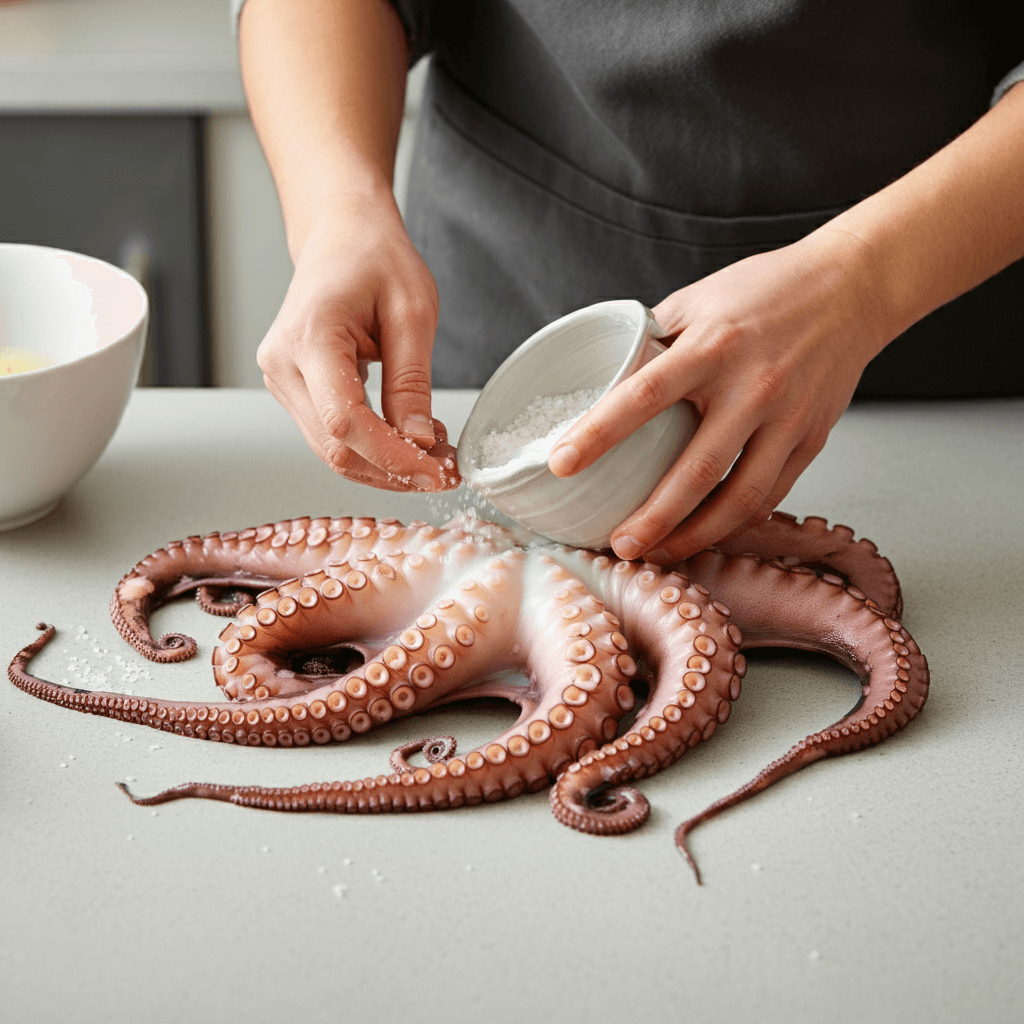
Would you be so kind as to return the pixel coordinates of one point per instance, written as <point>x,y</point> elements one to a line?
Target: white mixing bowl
<point>592,348</point>
<point>88,319</point>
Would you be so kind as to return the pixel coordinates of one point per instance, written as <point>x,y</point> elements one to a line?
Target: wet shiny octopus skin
<point>355,622</point>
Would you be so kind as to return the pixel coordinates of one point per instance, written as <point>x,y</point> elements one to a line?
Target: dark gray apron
<point>517,235</point>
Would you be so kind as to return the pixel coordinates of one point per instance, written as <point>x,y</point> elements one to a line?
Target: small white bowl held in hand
<point>88,319</point>
<point>593,348</point>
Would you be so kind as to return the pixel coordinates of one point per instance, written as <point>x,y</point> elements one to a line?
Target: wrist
<point>849,267</point>
<point>886,279</point>
<point>324,214</point>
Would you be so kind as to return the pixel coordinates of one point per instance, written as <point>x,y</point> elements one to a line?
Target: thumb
<point>406,344</point>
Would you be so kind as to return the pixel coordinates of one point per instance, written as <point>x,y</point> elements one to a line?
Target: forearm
<point>325,82</point>
<point>952,222</point>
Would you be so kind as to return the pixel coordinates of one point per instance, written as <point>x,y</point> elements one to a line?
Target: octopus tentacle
<point>258,558</point>
<point>206,721</point>
<point>345,601</point>
<point>445,785</point>
<point>811,543</point>
<point>690,645</point>
<point>608,808</point>
<point>17,671</point>
<point>825,616</point>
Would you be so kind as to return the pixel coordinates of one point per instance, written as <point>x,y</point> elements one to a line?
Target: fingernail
<point>424,482</point>
<point>627,546</point>
<point>418,425</point>
<point>564,459</point>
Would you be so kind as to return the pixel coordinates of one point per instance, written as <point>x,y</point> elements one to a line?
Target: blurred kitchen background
<point>124,135</point>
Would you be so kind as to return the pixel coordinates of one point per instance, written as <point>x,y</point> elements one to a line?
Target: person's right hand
<point>361,292</point>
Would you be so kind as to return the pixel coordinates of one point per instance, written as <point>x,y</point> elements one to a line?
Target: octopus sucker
<point>342,625</point>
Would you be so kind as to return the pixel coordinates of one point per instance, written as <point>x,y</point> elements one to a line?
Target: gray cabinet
<point>128,189</point>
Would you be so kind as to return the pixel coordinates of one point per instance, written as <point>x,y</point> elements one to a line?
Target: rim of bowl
<point>95,353</point>
<point>646,323</point>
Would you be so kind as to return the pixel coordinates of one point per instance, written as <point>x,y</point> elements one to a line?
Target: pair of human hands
<point>769,350</point>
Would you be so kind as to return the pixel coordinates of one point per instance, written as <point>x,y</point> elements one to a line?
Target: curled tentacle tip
<point>620,800</point>
<point>439,748</point>
<point>607,810</point>
<point>434,748</point>
<point>172,647</point>
<point>174,640</point>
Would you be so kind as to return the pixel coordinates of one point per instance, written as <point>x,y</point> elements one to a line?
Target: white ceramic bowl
<point>593,348</point>
<point>88,319</point>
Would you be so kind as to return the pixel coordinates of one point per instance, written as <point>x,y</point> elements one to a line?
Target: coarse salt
<point>528,439</point>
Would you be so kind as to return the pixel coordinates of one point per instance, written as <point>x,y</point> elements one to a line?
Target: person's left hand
<point>770,351</point>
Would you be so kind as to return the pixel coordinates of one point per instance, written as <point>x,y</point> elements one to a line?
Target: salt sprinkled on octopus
<point>341,625</point>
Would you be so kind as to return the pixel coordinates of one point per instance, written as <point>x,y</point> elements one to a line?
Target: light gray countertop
<point>881,886</point>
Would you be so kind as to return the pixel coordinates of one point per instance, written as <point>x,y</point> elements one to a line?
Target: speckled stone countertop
<point>880,886</point>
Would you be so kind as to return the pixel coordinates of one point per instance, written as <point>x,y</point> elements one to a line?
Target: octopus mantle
<point>344,624</point>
